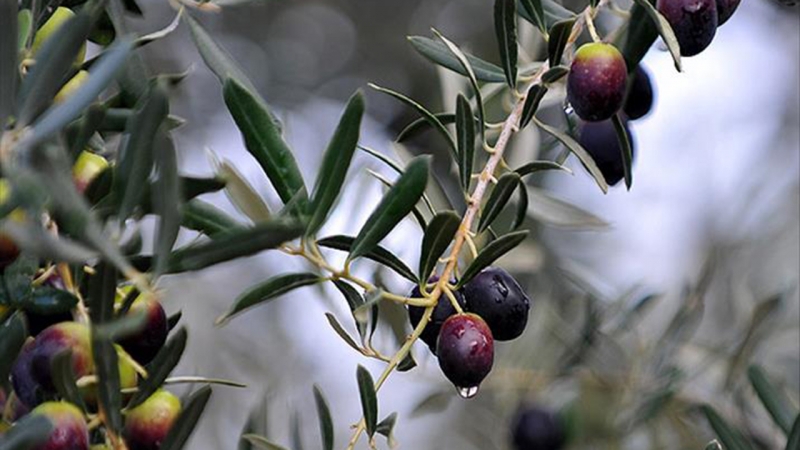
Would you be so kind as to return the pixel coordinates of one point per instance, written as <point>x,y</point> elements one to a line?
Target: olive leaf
<point>576,149</point>
<point>427,115</point>
<point>535,11</point>
<point>465,132</point>
<point>438,236</point>
<point>369,399</point>
<point>532,100</point>
<point>393,207</point>
<point>378,254</point>
<point>730,437</point>
<point>268,290</point>
<point>335,163</point>
<point>491,253</point>
<point>559,35</point>
<point>439,54</point>
<point>665,30</point>
<point>774,401</point>
<point>505,28</point>
<point>160,367</point>
<point>8,54</point>
<point>13,332</point>
<point>498,199</point>
<point>325,421</point>
<point>263,139</point>
<point>625,146</point>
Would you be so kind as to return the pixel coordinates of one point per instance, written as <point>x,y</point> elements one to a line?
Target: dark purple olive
<point>497,297</point>
<point>640,95</point>
<point>601,142</point>
<point>693,21</point>
<point>444,309</point>
<point>538,429</point>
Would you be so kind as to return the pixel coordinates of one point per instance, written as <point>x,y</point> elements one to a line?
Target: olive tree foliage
<point>93,237</point>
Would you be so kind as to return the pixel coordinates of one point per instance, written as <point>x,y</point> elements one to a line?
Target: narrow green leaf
<point>576,149</point>
<point>166,200</point>
<point>206,218</point>
<point>335,162</point>
<point>261,442</point>
<point>793,441</point>
<point>8,54</point>
<point>429,116</point>
<point>102,73</point>
<point>136,154</point>
<point>369,399</point>
<point>407,363</point>
<point>731,439</point>
<point>553,12</point>
<point>559,35</point>
<point>217,58</point>
<point>159,369</point>
<point>47,300</point>
<point>394,206</point>
<point>64,378</point>
<point>535,95</point>
<point>108,385</point>
<point>538,166</point>
<point>325,421</point>
<point>235,244</point>
<point>465,131</point>
<point>505,28</point>
<point>419,125</point>
<point>522,207</point>
<point>536,12</point>
<point>641,35</point>
<point>772,398</point>
<point>87,126</point>
<point>386,428</point>
<point>554,74</point>
<point>438,236</point>
<point>498,199</point>
<point>491,253</point>
<point>377,254</point>
<point>102,292</point>
<point>29,432</point>
<point>476,89</point>
<point>32,238</point>
<point>53,62</point>
<point>13,332</point>
<point>243,196</point>
<point>339,329</point>
<point>665,30</point>
<point>555,212</point>
<point>438,53</point>
<point>625,146</point>
<point>351,295</point>
<point>396,167</point>
<point>263,139</point>
<point>414,211</point>
<point>371,299</point>
<point>186,423</point>
<point>268,290</point>
<point>24,28</point>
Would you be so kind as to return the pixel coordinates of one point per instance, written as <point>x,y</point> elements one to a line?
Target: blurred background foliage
<point>633,326</point>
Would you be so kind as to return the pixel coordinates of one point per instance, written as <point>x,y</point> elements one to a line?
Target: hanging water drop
<point>468,392</point>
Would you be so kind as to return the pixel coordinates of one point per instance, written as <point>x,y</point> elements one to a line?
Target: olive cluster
<point>495,308</point>
<point>601,85</point>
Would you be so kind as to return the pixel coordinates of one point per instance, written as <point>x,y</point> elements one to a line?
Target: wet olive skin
<point>693,21</point>
<point>466,350</point>
<point>495,296</point>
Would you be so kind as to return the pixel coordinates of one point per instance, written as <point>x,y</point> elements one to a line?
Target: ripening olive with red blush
<point>145,344</point>
<point>69,432</point>
<point>31,374</point>
<point>597,81</point>
<point>148,424</point>
<point>466,351</point>
<point>693,21</point>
